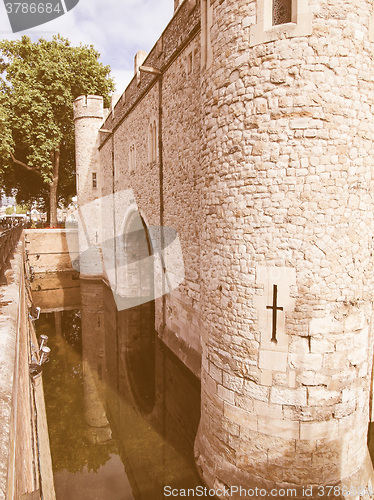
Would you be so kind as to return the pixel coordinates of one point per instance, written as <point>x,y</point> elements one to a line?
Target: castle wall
<point>182,143</point>
<point>88,117</point>
<point>179,92</point>
<point>48,249</point>
<point>264,169</point>
<point>289,131</point>
<point>134,131</point>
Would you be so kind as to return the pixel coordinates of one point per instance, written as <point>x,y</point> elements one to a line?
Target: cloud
<point>117,29</point>
<point>122,78</point>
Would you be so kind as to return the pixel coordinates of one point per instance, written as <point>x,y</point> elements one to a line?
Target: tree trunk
<point>53,189</point>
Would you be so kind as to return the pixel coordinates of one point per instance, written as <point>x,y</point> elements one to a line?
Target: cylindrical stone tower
<point>88,118</point>
<point>287,246</point>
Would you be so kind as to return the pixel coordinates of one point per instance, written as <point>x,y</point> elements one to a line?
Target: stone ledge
<point>9,319</point>
<point>24,467</point>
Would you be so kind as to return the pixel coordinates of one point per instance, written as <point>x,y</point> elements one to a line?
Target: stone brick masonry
<point>264,168</point>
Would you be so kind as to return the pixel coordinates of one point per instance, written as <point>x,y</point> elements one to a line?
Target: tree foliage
<point>22,209</point>
<point>38,84</point>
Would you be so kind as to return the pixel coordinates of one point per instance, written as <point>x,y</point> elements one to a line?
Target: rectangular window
<point>94,180</point>
<point>282,12</point>
<point>277,19</point>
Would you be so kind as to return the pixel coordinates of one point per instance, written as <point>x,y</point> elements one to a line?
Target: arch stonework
<point>138,322</point>
<point>135,273</point>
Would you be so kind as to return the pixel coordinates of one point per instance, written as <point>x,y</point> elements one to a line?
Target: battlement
<point>91,106</point>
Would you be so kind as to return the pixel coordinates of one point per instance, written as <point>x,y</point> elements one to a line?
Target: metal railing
<point>8,241</point>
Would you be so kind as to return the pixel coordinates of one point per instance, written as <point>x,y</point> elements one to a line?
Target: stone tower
<point>287,245</point>
<point>88,118</point>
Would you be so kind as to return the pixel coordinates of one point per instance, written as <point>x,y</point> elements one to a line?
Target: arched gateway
<point>137,332</point>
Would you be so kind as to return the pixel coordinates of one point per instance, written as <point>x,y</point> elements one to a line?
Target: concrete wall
<point>24,443</point>
<point>48,249</point>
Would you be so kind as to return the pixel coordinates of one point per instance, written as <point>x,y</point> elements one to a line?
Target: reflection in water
<point>156,419</point>
<point>75,459</point>
<point>111,381</point>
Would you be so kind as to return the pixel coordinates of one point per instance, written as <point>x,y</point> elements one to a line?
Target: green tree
<point>22,209</point>
<point>38,84</point>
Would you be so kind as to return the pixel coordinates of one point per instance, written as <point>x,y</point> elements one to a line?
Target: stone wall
<point>170,196</point>
<point>17,455</point>
<point>288,151</point>
<point>25,462</point>
<point>264,169</point>
<point>180,179</point>
<point>48,249</point>
<point>182,143</point>
<point>54,292</point>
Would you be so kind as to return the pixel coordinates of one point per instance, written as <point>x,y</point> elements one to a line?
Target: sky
<point>116,28</point>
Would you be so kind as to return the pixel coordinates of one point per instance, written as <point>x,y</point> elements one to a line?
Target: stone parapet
<point>90,106</point>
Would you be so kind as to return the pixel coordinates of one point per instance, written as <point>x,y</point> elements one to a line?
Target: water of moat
<point>122,410</point>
